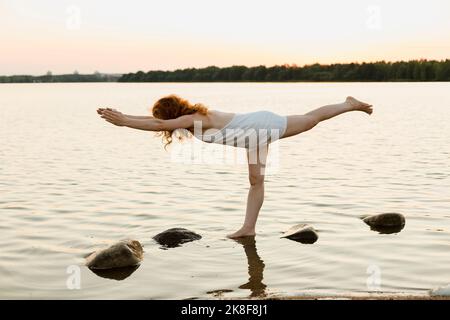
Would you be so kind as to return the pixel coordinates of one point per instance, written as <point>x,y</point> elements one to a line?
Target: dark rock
<point>386,223</point>
<point>116,273</point>
<point>302,233</point>
<point>125,253</point>
<point>219,293</point>
<point>175,237</point>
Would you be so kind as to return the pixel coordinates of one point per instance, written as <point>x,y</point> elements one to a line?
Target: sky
<point>62,36</point>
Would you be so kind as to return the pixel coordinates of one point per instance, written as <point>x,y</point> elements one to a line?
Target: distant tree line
<point>416,70</point>
<point>75,77</point>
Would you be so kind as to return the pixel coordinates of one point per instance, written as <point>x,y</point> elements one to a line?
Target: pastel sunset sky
<point>127,36</point>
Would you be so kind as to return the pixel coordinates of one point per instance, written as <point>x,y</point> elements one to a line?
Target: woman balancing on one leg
<point>253,131</point>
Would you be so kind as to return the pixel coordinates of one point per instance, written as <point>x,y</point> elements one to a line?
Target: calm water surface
<point>71,183</point>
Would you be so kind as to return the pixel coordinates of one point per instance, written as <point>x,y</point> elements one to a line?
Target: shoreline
<point>356,296</point>
<point>228,82</point>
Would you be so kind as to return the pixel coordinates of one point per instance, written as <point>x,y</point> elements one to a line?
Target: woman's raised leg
<point>301,123</point>
<point>256,172</point>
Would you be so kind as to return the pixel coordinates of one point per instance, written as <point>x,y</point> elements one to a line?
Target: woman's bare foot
<point>359,105</point>
<point>243,232</point>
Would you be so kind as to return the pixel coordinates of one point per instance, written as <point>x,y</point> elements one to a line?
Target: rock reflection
<point>116,273</point>
<point>387,230</point>
<point>255,268</point>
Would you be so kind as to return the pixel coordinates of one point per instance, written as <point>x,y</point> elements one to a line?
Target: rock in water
<point>176,236</point>
<point>302,233</point>
<point>386,222</point>
<point>440,292</point>
<point>125,253</point>
<point>116,273</point>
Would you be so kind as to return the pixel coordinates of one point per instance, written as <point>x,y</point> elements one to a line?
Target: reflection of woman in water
<point>255,268</point>
<point>253,131</point>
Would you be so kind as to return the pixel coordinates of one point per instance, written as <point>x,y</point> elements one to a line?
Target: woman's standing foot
<point>243,232</point>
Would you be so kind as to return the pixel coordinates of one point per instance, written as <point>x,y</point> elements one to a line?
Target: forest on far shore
<point>415,70</point>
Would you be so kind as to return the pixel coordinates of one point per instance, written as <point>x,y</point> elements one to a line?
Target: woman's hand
<point>101,110</point>
<point>113,116</point>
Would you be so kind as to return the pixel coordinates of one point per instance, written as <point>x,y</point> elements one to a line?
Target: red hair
<point>172,107</point>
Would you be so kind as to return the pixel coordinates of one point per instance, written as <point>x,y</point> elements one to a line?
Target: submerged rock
<point>175,237</point>
<point>386,222</point>
<point>302,233</point>
<point>441,291</point>
<point>126,253</point>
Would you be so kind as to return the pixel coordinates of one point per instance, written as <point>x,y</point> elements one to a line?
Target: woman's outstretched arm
<point>101,110</point>
<point>148,124</point>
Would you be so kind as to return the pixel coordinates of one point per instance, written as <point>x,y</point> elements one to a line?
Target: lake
<point>71,183</point>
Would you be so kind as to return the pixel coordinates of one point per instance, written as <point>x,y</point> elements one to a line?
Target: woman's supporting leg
<point>301,123</point>
<point>255,199</point>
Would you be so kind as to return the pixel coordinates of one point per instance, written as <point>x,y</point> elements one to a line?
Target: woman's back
<point>247,130</point>
<point>213,121</point>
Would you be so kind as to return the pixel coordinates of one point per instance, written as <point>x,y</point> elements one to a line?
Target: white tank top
<point>246,130</point>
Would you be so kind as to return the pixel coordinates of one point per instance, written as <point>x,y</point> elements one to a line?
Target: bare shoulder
<point>198,116</point>
<point>206,119</point>
<point>219,119</point>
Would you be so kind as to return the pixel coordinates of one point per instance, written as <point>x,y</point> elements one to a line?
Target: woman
<point>253,131</point>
